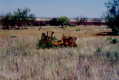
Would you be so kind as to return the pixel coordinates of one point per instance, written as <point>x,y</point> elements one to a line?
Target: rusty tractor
<point>48,40</point>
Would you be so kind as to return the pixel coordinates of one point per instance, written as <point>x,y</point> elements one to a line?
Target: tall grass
<point>21,60</point>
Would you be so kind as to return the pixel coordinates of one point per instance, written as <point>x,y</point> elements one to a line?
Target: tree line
<point>22,17</point>
<point>17,19</point>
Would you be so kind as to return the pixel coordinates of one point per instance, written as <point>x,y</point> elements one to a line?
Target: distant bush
<point>63,20</point>
<point>114,41</point>
<point>71,25</point>
<point>109,38</point>
<point>78,29</point>
<point>13,36</point>
<point>54,22</point>
<point>17,19</point>
<point>81,21</point>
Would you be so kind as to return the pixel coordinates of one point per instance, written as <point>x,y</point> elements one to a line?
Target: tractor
<point>48,40</point>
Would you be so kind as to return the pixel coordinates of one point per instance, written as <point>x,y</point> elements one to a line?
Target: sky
<point>56,8</point>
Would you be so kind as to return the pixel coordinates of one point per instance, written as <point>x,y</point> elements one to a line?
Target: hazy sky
<point>54,8</point>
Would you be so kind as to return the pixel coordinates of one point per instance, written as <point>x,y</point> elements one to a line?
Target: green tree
<point>19,18</point>
<point>54,22</point>
<point>6,21</point>
<point>23,16</point>
<point>112,15</point>
<point>83,20</point>
<point>63,20</point>
<point>77,20</point>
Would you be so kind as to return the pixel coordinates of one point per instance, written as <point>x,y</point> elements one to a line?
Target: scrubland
<point>95,58</point>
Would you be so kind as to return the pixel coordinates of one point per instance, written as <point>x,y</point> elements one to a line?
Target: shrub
<point>63,20</point>
<point>112,56</point>
<point>78,29</point>
<point>13,36</point>
<point>114,41</point>
<point>109,38</point>
<point>72,25</point>
<point>98,49</point>
<point>112,15</point>
<point>54,22</point>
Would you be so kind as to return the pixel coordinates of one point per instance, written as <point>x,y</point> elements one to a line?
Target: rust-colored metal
<point>64,42</point>
<point>69,41</point>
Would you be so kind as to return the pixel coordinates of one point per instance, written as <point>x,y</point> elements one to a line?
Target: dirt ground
<point>85,31</point>
<point>21,60</point>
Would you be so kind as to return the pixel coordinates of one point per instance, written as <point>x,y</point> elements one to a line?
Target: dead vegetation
<point>21,60</point>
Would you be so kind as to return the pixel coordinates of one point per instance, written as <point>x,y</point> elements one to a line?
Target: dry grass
<point>21,60</point>
<point>85,31</point>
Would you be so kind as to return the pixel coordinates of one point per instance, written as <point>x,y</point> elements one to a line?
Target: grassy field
<point>95,58</point>
<point>78,31</point>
